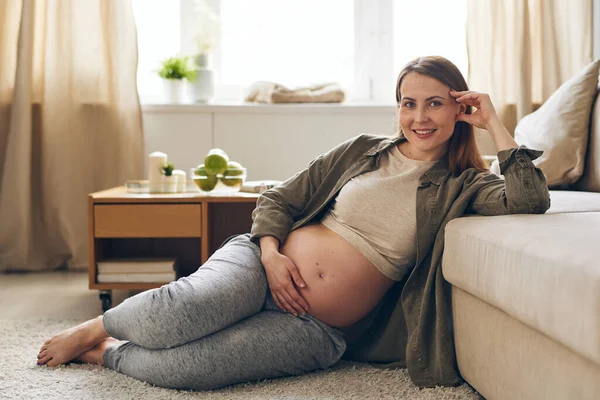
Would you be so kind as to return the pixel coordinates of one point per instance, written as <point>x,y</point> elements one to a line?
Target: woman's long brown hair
<point>463,152</point>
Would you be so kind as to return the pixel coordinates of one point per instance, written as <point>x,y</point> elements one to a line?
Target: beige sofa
<point>526,294</point>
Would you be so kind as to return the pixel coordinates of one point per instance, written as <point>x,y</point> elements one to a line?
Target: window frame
<point>373,58</point>
<point>374,75</point>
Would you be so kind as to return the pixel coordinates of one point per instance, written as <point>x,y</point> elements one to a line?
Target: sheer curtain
<point>521,51</point>
<point>70,123</point>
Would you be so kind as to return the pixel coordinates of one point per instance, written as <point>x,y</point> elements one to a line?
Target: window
<point>433,27</point>
<point>158,31</point>
<point>361,44</point>
<point>289,42</point>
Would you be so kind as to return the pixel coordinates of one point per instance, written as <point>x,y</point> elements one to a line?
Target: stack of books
<point>119,270</point>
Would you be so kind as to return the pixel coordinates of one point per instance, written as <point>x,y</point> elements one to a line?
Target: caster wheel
<point>106,298</point>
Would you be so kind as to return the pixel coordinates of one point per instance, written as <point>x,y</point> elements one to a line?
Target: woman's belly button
<point>324,282</point>
<point>319,270</point>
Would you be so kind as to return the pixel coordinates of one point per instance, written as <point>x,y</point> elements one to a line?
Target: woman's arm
<point>523,189</point>
<point>268,245</point>
<point>500,135</point>
<point>484,118</point>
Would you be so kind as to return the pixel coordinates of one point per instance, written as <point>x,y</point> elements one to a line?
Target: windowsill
<point>262,108</point>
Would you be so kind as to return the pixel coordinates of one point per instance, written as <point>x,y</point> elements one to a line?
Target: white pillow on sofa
<point>560,128</point>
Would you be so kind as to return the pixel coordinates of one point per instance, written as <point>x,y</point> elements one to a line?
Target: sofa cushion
<point>543,270</point>
<point>570,201</point>
<point>560,128</point>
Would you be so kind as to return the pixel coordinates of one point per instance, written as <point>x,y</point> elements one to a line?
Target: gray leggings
<point>217,327</point>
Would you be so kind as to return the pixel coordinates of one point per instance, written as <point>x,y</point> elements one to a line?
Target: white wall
<point>271,141</point>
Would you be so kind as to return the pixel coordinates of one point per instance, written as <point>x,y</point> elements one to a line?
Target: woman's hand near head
<point>485,114</point>
<point>283,277</point>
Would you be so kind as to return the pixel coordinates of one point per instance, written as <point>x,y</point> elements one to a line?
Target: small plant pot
<point>170,183</point>
<point>174,90</point>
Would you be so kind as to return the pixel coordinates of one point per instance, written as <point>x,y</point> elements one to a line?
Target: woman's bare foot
<point>95,355</point>
<point>67,345</point>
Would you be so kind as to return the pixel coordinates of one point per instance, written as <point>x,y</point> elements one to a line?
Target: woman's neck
<point>405,148</point>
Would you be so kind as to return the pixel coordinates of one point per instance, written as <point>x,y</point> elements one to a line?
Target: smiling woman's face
<point>427,115</point>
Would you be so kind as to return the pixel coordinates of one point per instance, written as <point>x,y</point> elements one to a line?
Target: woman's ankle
<point>97,328</point>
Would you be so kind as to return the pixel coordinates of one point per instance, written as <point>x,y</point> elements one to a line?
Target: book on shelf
<point>140,277</point>
<point>136,265</point>
<point>258,186</point>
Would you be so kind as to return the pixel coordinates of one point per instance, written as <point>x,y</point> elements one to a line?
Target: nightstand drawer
<point>147,220</point>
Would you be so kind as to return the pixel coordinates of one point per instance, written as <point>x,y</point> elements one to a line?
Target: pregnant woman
<point>345,249</point>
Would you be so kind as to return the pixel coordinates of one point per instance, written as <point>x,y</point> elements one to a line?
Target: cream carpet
<point>33,307</point>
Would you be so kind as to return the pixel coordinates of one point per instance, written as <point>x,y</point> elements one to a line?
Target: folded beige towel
<point>271,92</point>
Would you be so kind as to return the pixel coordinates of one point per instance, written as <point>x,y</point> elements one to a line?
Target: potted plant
<point>207,30</point>
<point>174,71</point>
<point>169,180</point>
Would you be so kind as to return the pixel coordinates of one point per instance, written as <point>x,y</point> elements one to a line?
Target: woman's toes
<point>44,360</point>
<point>53,363</point>
<point>42,354</point>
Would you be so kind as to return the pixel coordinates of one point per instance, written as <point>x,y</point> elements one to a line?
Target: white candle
<point>156,161</point>
<point>181,179</point>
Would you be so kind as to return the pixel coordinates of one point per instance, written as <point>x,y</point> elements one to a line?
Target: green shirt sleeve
<point>522,191</point>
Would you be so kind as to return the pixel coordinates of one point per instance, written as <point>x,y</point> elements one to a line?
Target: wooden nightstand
<point>185,226</point>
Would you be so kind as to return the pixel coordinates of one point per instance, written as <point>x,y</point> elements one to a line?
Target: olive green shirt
<point>412,325</point>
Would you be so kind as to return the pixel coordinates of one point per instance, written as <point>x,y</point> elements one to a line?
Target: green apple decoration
<point>217,166</point>
<point>206,184</point>
<point>215,162</point>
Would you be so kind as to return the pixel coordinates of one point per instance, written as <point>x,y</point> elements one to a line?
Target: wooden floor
<point>51,295</point>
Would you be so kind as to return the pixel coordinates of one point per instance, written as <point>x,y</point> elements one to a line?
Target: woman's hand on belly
<point>283,276</point>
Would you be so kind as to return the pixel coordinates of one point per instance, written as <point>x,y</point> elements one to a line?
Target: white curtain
<point>70,123</point>
<point>521,51</point>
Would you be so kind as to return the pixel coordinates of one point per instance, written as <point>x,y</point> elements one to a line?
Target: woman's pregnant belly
<point>342,286</point>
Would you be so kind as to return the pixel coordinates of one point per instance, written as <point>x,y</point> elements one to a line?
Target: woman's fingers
<point>297,301</point>
<point>455,93</point>
<point>465,117</point>
<point>277,302</point>
<point>285,302</point>
<point>296,308</point>
<point>470,96</point>
<point>296,277</point>
<point>286,306</point>
<point>300,300</point>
